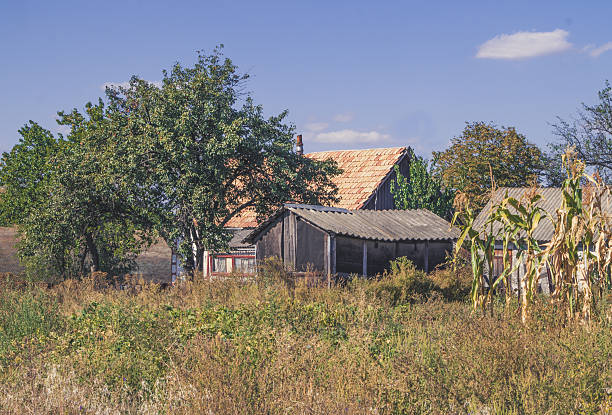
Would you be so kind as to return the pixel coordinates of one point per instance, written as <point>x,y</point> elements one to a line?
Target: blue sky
<point>352,74</point>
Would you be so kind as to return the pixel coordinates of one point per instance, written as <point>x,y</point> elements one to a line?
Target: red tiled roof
<point>363,172</point>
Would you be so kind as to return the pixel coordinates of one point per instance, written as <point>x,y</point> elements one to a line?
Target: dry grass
<point>230,348</point>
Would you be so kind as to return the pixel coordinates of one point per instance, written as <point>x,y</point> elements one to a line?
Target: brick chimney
<point>299,147</point>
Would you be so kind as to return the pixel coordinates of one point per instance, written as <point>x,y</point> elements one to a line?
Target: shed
<point>551,201</point>
<point>341,241</point>
<point>365,183</point>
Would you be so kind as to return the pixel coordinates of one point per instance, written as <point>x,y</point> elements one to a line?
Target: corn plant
<point>481,245</point>
<point>579,255</point>
<point>520,223</point>
<point>580,252</point>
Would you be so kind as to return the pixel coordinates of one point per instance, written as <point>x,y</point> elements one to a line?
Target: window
<point>219,264</point>
<point>498,262</point>
<point>244,265</point>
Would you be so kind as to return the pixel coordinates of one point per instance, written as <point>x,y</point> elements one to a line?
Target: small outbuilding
<point>336,241</point>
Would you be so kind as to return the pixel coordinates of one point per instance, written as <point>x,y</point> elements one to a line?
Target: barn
<point>336,241</point>
<point>364,184</point>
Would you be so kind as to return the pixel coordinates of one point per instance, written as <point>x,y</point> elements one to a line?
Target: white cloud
<point>351,137</point>
<point>346,117</point>
<point>595,52</point>
<point>316,126</point>
<point>521,45</point>
<point>125,84</point>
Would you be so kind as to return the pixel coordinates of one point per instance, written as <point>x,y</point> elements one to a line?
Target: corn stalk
<point>580,252</point>
<point>520,224</point>
<point>579,255</point>
<point>482,249</point>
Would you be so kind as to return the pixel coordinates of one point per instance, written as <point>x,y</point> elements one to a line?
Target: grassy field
<point>403,344</point>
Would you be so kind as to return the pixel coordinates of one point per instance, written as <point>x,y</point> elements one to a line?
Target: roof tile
<point>363,171</point>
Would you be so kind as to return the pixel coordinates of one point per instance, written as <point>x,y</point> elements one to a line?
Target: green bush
<point>28,317</point>
<point>402,284</point>
<point>125,345</point>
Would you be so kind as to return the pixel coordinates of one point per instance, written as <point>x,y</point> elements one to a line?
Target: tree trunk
<point>93,250</point>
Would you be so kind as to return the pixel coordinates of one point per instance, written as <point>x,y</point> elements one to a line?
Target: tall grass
<point>392,345</point>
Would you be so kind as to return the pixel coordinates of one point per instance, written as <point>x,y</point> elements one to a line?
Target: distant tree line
<point>485,155</point>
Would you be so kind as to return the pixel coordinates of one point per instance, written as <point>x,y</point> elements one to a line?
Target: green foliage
<point>484,151</point>
<point>126,347</point>
<point>590,133</point>
<point>25,173</point>
<point>577,258</point>
<point>402,284</point>
<point>420,190</point>
<point>207,153</point>
<point>70,200</point>
<point>177,161</point>
<point>27,323</point>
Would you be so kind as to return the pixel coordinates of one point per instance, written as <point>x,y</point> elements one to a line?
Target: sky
<point>351,74</point>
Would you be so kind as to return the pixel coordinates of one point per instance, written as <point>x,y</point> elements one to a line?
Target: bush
<point>402,284</point>
<point>27,320</point>
<point>454,285</point>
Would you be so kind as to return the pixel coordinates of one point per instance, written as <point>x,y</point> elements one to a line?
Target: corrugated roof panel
<point>552,200</point>
<point>385,225</point>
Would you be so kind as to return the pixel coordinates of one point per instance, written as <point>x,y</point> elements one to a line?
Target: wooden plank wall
<point>310,247</point>
<point>383,198</point>
<point>270,243</point>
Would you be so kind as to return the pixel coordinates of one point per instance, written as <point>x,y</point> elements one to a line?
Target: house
<point>552,199</point>
<point>336,241</point>
<point>364,184</point>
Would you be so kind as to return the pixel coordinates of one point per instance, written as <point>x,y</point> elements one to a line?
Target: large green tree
<point>591,135</point>
<point>68,201</point>
<point>484,150</point>
<point>207,153</point>
<point>178,160</point>
<point>421,190</point>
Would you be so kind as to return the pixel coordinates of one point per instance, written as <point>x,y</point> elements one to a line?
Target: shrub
<point>454,285</point>
<point>27,320</point>
<point>402,284</point>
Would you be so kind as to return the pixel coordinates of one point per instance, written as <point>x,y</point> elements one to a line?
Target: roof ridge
<point>359,149</point>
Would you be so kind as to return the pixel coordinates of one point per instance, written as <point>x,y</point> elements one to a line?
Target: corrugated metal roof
<point>380,225</point>
<point>552,199</point>
<point>237,240</point>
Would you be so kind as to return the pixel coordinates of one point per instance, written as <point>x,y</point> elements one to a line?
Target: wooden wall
<point>154,263</point>
<point>383,199</point>
<point>311,248</point>
<point>271,242</point>
<point>349,254</point>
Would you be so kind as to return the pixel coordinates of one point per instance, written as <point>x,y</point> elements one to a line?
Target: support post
<point>426,256</point>
<point>365,259</point>
<point>328,259</point>
<point>332,257</point>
